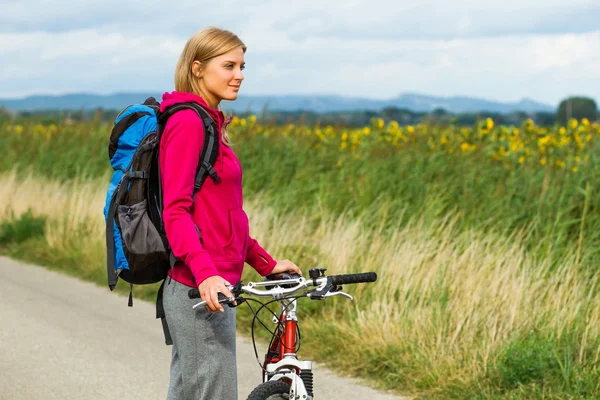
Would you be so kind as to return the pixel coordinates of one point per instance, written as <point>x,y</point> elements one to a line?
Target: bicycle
<point>284,375</point>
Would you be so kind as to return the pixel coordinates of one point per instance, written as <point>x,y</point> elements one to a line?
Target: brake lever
<point>331,294</point>
<point>222,300</point>
<point>328,290</point>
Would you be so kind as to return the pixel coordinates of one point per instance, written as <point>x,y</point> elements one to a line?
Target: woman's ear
<point>197,68</point>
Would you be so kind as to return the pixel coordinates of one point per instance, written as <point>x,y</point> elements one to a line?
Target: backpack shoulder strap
<point>209,151</point>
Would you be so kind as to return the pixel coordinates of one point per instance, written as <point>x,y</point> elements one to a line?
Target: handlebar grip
<point>235,290</point>
<point>353,278</point>
<point>194,294</point>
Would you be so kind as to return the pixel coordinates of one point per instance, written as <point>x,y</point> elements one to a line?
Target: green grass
<point>488,284</point>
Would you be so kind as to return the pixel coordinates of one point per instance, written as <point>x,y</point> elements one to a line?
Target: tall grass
<point>456,313</point>
<point>383,183</point>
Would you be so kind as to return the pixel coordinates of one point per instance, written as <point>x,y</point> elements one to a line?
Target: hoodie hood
<point>170,99</point>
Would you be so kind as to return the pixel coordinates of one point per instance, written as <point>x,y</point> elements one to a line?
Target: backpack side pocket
<point>139,234</point>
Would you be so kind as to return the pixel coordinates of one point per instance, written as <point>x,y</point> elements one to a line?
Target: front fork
<point>301,384</point>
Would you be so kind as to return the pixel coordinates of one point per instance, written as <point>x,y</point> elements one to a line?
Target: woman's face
<point>221,77</point>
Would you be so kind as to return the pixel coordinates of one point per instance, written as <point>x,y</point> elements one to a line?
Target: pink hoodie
<point>217,210</point>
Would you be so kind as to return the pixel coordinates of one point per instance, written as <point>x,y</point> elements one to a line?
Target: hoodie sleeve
<point>181,144</point>
<point>258,258</point>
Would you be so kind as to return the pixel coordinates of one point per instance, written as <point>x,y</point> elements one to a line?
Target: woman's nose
<point>239,75</point>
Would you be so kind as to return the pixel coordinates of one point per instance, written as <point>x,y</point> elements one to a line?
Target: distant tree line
<point>572,107</point>
<point>405,117</point>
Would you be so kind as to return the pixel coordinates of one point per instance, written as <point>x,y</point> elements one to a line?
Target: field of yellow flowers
<point>485,238</point>
<point>528,145</point>
<point>564,147</point>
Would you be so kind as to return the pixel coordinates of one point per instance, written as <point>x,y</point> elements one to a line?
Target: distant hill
<point>317,103</point>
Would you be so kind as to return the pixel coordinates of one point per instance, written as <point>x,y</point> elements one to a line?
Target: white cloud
<point>441,19</point>
<point>499,49</point>
<point>544,67</point>
<point>85,60</point>
<point>432,19</point>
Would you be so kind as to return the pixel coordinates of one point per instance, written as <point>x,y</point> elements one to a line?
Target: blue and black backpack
<point>137,249</point>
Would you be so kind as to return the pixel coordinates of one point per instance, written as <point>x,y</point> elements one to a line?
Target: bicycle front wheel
<point>272,390</point>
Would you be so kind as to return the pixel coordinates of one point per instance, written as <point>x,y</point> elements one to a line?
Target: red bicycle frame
<point>287,344</point>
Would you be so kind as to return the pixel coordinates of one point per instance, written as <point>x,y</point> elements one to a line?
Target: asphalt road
<point>62,338</point>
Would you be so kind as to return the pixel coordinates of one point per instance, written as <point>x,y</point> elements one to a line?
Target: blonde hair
<point>205,45</point>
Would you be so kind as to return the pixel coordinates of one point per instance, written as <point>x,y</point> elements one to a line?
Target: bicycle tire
<point>269,391</point>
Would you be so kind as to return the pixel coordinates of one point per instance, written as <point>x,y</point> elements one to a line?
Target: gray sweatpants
<point>203,365</point>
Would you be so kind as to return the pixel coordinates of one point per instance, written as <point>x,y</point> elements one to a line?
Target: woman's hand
<point>209,291</point>
<point>284,266</point>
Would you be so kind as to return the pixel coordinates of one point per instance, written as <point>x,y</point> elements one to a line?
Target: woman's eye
<point>243,67</point>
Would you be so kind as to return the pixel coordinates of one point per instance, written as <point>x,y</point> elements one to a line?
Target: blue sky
<point>496,49</point>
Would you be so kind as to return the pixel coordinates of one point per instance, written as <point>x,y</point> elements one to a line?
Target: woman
<point>203,364</point>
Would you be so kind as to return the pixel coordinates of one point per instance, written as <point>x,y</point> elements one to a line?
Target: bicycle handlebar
<point>293,285</point>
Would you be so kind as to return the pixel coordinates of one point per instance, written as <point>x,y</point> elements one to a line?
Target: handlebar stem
<point>289,306</point>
